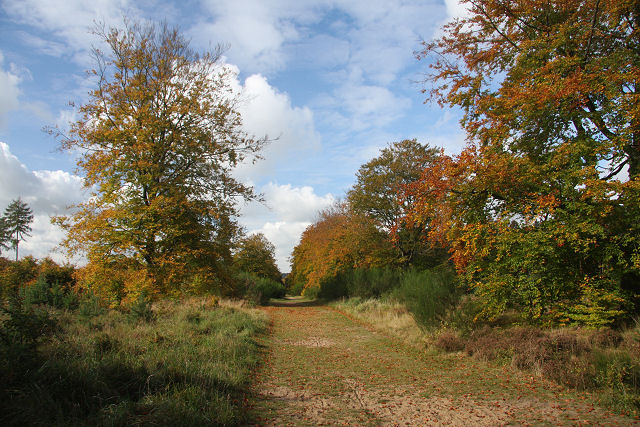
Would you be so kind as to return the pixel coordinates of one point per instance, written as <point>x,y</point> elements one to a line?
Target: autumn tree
<point>339,240</point>
<point>255,254</point>
<point>541,207</point>
<point>375,194</point>
<point>158,139</point>
<point>16,223</point>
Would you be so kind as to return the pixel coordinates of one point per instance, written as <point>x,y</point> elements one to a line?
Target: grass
<point>603,361</point>
<point>188,363</point>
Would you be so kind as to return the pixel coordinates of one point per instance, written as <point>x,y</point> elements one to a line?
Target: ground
<point>323,367</point>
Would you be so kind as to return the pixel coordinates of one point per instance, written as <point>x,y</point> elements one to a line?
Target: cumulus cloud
<point>266,111</point>
<point>287,211</point>
<point>455,9</point>
<point>9,91</point>
<point>46,192</point>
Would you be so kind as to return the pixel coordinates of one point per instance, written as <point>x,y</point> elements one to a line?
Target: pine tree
<point>16,222</point>
<point>5,236</point>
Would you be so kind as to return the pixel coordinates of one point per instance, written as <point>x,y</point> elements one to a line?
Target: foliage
<point>158,140</point>
<point>537,210</point>
<point>259,290</point>
<point>256,255</point>
<point>339,241</point>
<point>375,194</point>
<point>5,235</point>
<point>15,225</point>
<point>107,370</point>
<point>429,295</point>
<point>360,283</point>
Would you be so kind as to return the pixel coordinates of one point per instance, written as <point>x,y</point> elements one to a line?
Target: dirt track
<point>324,368</point>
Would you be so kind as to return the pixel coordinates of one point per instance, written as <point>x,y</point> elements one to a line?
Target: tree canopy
<point>376,195</point>
<point>158,140</point>
<point>540,209</point>
<point>338,241</point>
<point>255,254</point>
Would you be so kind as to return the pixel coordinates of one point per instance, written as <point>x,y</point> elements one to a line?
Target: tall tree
<point>5,235</point>
<point>541,207</point>
<point>340,240</point>
<point>375,194</point>
<point>256,254</point>
<point>158,139</point>
<point>17,222</point>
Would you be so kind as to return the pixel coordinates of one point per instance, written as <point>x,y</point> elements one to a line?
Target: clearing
<point>323,367</point>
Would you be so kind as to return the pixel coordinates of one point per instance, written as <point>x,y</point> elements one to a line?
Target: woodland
<point>522,250</point>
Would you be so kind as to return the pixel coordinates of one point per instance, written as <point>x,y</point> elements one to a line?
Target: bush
<point>49,293</point>
<point>296,289</point>
<point>361,283</point>
<point>429,294</point>
<point>259,289</point>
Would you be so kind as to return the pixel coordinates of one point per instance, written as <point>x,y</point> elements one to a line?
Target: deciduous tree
<point>256,254</point>
<point>541,207</point>
<point>375,194</point>
<point>338,241</point>
<point>158,139</point>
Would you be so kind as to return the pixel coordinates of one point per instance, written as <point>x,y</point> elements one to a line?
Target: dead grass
<point>386,315</point>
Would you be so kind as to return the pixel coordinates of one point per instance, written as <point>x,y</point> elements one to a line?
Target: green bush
<point>49,293</point>
<point>296,289</point>
<point>260,289</point>
<point>429,295</point>
<point>361,282</point>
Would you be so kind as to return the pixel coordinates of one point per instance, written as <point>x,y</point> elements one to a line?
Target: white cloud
<point>456,9</point>
<point>67,21</point>
<point>9,91</point>
<point>46,192</point>
<point>288,211</point>
<point>265,111</point>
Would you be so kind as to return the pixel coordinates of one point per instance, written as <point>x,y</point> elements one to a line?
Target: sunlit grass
<point>190,365</point>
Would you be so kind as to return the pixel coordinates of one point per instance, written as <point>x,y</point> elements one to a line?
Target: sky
<point>330,81</point>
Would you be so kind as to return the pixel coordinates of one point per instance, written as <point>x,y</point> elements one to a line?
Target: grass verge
<point>189,363</point>
<point>604,361</point>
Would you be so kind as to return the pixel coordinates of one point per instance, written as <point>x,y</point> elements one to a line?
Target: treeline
<point>539,212</point>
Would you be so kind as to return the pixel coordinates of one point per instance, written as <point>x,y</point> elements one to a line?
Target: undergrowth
<point>176,363</point>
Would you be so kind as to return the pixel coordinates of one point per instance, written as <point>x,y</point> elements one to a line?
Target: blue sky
<point>333,80</point>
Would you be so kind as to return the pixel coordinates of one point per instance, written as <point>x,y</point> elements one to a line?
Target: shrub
<point>449,341</point>
<point>428,294</point>
<point>296,289</point>
<point>259,289</point>
<point>49,293</point>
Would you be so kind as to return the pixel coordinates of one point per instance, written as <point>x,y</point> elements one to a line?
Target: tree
<point>537,209</point>
<point>256,255</point>
<point>5,236</point>
<point>376,195</point>
<point>158,139</point>
<point>340,240</point>
<point>16,223</point>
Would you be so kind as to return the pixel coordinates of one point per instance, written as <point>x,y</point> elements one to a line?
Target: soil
<point>323,367</point>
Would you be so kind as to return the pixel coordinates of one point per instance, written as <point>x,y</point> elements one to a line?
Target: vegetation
<point>180,362</point>
<point>375,194</point>
<point>339,241</point>
<point>540,209</point>
<point>256,255</point>
<point>158,140</point>
<point>15,225</point>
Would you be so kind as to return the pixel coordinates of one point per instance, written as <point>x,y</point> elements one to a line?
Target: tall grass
<point>187,364</point>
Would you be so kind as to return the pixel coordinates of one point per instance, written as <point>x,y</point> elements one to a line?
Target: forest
<point>522,251</point>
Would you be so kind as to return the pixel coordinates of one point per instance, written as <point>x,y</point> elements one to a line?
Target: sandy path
<point>325,368</point>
